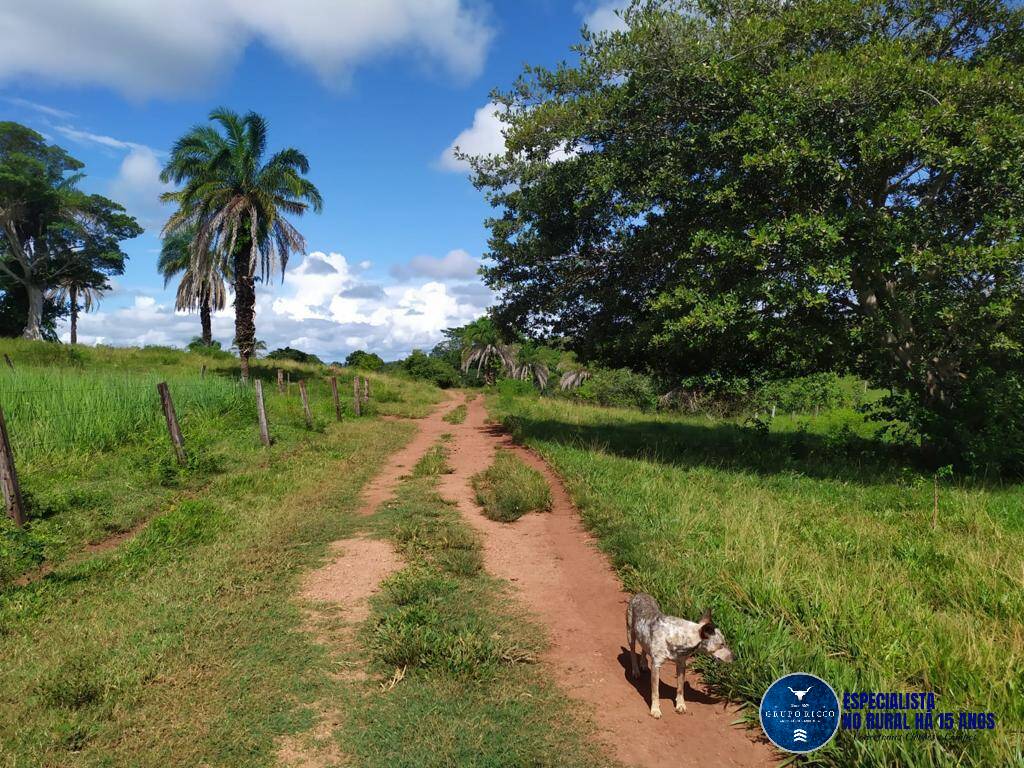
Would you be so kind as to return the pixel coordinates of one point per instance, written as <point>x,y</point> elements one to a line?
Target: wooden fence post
<point>9,477</point>
<point>337,400</point>
<point>280,381</point>
<point>261,412</point>
<point>202,372</point>
<point>305,403</point>
<point>355,396</point>
<point>366,390</point>
<point>172,421</point>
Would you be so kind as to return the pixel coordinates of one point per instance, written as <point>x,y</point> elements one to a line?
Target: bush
<point>620,388</point>
<point>367,361</point>
<point>805,393</point>
<point>983,434</point>
<point>420,366</point>
<point>287,353</point>
<point>515,387</point>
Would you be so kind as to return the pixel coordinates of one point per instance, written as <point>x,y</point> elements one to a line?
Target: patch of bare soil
<point>564,580</point>
<point>345,583</point>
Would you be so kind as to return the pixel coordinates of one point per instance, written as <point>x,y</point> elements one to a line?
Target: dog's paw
<point>680,707</point>
<point>656,714</point>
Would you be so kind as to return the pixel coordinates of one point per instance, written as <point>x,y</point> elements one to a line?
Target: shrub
<point>420,366</point>
<point>806,393</point>
<point>509,489</point>
<point>620,388</point>
<point>515,387</point>
<point>287,353</point>
<point>367,361</point>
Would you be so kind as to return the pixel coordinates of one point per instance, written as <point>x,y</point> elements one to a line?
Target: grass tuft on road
<point>456,415</point>
<point>509,489</point>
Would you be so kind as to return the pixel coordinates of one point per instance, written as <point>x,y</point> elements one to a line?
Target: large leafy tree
<point>51,232</point>
<point>86,252</point>
<point>203,283</point>
<point>237,200</point>
<point>744,187</point>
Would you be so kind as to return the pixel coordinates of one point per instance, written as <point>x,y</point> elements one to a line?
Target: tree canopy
<point>737,187</point>
<point>53,235</point>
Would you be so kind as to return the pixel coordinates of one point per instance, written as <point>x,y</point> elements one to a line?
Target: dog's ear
<point>706,626</point>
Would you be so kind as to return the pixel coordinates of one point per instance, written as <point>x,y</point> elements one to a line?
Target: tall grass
<point>53,412</point>
<point>815,556</point>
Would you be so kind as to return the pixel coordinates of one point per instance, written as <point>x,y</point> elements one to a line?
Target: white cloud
<point>322,306</point>
<point>484,137</point>
<point>455,264</point>
<point>43,109</point>
<point>147,47</point>
<point>85,137</point>
<point>138,187</point>
<point>605,16</point>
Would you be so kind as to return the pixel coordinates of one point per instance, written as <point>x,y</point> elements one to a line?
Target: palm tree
<point>533,363</point>
<point>482,345</point>
<point>237,203</point>
<point>71,288</point>
<point>573,379</point>
<point>202,285</point>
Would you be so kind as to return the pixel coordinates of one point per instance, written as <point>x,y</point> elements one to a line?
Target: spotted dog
<point>666,638</point>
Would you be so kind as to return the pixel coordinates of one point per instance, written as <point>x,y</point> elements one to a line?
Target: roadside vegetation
<point>509,489</point>
<point>182,646</point>
<point>91,446</point>
<point>816,550</point>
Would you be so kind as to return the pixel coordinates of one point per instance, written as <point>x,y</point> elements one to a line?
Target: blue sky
<point>374,93</point>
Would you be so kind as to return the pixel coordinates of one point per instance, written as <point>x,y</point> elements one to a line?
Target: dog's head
<point>712,641</point>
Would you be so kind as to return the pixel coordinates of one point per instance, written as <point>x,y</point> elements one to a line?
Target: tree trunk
<point>34,321</point>
<point>204,318</point>
<point>74,314</point>
<point>245,309</point>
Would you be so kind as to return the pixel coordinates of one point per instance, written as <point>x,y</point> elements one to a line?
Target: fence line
<point>105,410</point>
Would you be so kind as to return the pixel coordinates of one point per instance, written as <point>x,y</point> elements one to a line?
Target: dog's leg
<point>631,638</point>
<point>655,682</point>
<point>680,684</point>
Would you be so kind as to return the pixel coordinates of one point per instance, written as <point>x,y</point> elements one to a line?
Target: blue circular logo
<point>800,712</point>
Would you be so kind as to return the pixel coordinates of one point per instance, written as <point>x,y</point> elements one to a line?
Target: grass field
<point>813,544</point>
<point>91,445</point>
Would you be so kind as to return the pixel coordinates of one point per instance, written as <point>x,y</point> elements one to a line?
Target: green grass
<point>182,647</point>
<point>470,694</point>
<point>91,446</point>
<point>456,415</point>
<point>509,489</point>
<point>813,545</point>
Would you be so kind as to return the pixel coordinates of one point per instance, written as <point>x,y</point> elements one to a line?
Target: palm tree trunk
<point>74,314</point>
<point>245,309</point>
<point>204,318</point>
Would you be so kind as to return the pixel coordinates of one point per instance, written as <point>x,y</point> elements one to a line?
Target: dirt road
<point>568,584</point>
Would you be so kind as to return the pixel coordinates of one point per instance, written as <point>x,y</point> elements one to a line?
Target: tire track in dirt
<point>347,581</point>
<point>563,579</point>
<point>428,432</point>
